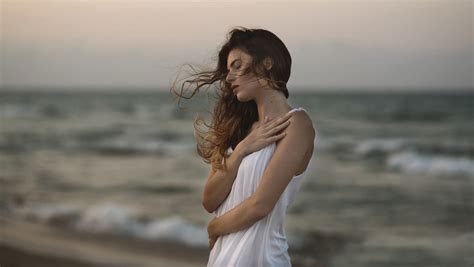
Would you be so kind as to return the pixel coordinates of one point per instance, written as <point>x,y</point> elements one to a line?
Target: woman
<point>259,149</point>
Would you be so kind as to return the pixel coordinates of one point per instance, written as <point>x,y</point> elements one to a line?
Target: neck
<point>271,103</point>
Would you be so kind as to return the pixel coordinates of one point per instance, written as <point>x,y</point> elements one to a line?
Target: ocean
<point>391,183</point>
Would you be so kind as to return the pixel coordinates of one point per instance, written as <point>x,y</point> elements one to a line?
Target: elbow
<point>206,203</point>
<point>207,206</point>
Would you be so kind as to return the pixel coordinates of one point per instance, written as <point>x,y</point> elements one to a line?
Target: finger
<point>277,137</point>
<point>286,116</point>
<point>283,119</point>
<point>277,126</point>
<point>280,127</point>
<point>280,136</point>
<point>270,131</point>
<point>284,124</point>
<point>267,120</point>
<point>279,121</point>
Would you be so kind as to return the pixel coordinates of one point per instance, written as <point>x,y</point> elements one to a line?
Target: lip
<point>234,86</point>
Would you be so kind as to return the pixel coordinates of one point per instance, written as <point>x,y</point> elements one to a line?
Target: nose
<point>230,77</point>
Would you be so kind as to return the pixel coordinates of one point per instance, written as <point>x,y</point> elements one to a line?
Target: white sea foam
<point>175,229</point>
<point>52,213</point>
<point>413,162</point>
<point>384,145</point>
<point>112,218</point>
<point>107,218</point>
<point>325,143</point>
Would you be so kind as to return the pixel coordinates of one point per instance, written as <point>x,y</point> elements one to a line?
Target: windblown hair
<point>232,119</point>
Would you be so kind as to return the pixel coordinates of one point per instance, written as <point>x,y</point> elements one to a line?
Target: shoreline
<point>24,243</point>
<point>12,256</point>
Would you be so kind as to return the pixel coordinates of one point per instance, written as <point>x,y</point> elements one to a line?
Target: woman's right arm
<point>219,182</point>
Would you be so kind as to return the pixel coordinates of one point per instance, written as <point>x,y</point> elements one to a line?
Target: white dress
<point>264,243</point>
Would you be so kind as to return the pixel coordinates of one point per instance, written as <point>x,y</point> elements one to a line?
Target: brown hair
<point>232,120</point>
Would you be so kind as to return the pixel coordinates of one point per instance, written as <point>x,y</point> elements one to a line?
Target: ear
<point>268,63</point>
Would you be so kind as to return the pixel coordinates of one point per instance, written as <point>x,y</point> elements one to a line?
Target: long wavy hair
<point>232,120</point>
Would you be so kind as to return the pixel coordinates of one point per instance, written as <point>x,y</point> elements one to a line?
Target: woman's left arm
<point>288,154</point>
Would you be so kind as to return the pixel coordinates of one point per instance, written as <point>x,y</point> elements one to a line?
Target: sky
<point>336,44</point>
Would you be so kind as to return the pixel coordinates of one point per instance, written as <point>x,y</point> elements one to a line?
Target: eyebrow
<point>231,64</point>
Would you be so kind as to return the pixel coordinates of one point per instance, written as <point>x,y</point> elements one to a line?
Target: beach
<point>30,244</point>
<point>114,179</point>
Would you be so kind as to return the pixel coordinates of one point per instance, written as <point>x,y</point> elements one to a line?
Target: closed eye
<point>234,63</point>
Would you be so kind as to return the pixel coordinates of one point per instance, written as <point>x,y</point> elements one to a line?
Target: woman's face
<point>248,84</point>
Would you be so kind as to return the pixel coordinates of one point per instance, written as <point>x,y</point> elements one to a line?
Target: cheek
<point>248,79</point>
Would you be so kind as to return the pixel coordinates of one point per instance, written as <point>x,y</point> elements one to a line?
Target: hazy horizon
<point>347,45</point>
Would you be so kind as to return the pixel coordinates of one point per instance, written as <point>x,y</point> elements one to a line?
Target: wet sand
<point>26,244</point>
<point>15,257</point>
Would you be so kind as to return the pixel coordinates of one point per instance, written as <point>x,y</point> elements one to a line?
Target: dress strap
<point>297,109</point>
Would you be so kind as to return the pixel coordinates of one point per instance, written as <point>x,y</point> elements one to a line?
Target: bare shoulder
<point>297,146</point>
<point>299,138</point>
<point>301,126</point>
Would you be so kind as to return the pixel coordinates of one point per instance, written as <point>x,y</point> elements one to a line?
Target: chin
<point>242,98</point>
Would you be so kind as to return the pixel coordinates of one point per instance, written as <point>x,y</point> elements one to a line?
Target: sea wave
<point>105,141</point>
<point>384,145</point>
<point>115,219</point>
<point>414,162</point>
<point>410,155</point>
<point>362,148</point>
